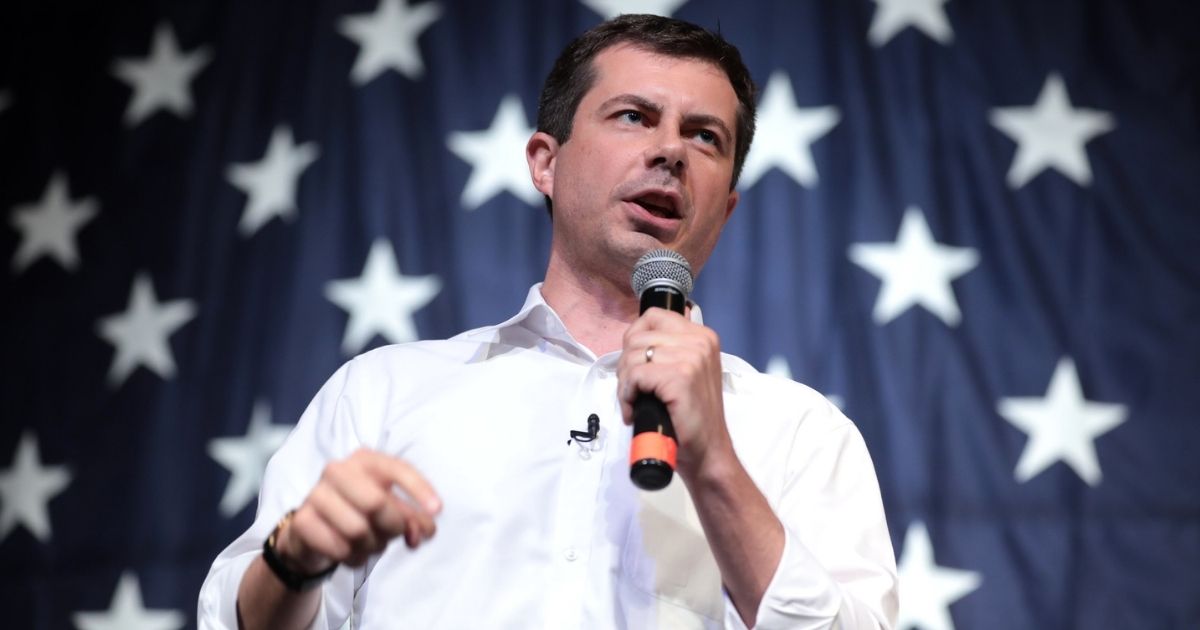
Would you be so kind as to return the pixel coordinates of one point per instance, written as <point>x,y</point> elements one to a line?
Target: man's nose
<point>668,151</point>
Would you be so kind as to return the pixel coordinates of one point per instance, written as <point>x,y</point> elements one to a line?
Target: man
<point>775,519</point>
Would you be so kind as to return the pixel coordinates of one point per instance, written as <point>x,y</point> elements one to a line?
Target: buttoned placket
<point>579,497</point>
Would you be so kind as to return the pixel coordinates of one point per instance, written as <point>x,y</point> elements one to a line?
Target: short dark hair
<point>574,73</point>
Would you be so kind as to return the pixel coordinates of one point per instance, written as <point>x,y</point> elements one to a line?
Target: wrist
<point>715,468</point>
<point>295,574</point>
<point>291,551</point>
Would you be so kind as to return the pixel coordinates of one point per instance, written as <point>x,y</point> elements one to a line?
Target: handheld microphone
<point>661,278</point>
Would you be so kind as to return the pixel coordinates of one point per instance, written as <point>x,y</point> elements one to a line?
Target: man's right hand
<point>354,511</point>
<point>357,507</point>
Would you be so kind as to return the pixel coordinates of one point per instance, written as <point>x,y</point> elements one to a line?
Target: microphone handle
<point>652,451</point>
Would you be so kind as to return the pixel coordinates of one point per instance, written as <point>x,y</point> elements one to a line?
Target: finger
<point>402,511</point>
<point>687,335</point>
<point>668,346</point>
<point>311,541</point>
<point>656,319</point>
<point>679,371</point>
<point>357,485</point>
<point>405,477</point>
<point>409,521</point>
<point>663,319</point>
<point>639,325</point>
<point>412,538</point>
<point>636,380</point>
<point>661,352</point>
<point>384,511</point>
<point>351,524</point>
<point>635,344</point>
<point>420,527</point>
<point>650,379</point>
<point>623,400</point>
<point>400,516</point>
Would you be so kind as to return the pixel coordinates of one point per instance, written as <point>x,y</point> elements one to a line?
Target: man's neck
<point>596,310</point>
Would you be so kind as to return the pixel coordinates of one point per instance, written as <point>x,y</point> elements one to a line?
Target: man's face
<point>648,164</point>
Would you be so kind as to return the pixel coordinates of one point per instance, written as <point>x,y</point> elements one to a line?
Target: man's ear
<point>541,153</point>
<point>731,202</point>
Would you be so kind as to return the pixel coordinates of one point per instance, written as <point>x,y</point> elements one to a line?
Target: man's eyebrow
<point>634,100</point>
<point>702,120</point>
<point>705,120</point>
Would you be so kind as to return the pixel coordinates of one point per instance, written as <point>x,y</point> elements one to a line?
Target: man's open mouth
<point>658,205</point>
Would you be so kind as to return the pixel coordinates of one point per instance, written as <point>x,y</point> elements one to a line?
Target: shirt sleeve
<point>837,569</point>
<point>326,431</point>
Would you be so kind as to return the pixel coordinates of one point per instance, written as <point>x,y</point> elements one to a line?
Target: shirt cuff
<point>220,613</point>
<point>218,610</point>
<point>801,594</point>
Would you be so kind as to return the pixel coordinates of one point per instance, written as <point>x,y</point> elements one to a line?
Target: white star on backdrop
<point>893,16</point>
<point>387,38</point>
<point>778,365</point>
<point>271,182</point>
<point>915,270</point>
<point>161,81</point>
<point>26,487</point>
<point>381,300</point>
<point>496,156</point>
<point>612,8</point>
<point>786,134</point>
<point>126,612</point>
<point>140,334</point>
<point>1051,134</point>
<point>246,457</point>
<point>927,590</point>
<point>49,227</point>
<point>1061,426</point>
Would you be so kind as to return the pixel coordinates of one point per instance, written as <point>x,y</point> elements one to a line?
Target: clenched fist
<point>355,510</point>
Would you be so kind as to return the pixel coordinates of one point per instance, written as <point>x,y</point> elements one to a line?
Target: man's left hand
<point>684,371</point>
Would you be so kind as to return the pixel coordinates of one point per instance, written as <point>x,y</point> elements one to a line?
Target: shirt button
<point>570,554</point>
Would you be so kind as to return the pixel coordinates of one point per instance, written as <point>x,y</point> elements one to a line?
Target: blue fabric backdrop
<point>1023,357</point>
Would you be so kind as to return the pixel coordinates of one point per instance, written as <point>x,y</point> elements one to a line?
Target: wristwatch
<point>294,581</point>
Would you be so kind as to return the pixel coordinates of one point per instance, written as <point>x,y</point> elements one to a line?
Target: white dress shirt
<point>539,533</point>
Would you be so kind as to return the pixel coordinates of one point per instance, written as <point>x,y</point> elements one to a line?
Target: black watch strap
<point>295,582</point>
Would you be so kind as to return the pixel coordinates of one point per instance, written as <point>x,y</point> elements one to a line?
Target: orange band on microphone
<point>652,445</point>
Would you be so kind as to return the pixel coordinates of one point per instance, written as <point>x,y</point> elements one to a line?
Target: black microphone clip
<point>593,430</point>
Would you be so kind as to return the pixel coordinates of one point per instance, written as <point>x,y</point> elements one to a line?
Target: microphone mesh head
<point>662,264</point>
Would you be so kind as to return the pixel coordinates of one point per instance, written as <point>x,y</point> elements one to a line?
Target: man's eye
<point>631,116</point>
<point>707,136</point>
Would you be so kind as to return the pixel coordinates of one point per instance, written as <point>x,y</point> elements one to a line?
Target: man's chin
<point>639,243</point>
<point>661,232</point>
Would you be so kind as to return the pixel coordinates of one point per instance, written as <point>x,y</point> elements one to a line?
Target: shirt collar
<point>539,318</point>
